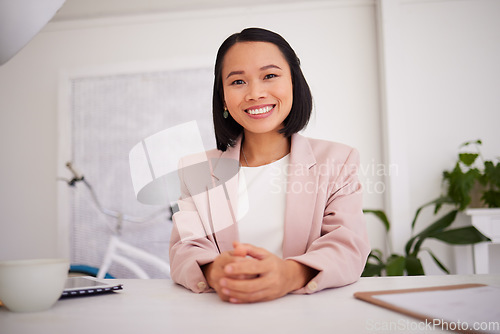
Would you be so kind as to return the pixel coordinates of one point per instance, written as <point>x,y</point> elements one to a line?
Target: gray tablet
<point>88,285</point>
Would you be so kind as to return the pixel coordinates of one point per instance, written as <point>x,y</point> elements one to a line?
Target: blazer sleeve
<point>190,245</point>
<point>339,254</point>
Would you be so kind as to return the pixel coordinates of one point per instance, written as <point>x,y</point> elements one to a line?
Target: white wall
<point>336,41</point>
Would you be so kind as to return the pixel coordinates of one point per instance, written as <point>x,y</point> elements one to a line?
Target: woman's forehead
<point>246,56</point>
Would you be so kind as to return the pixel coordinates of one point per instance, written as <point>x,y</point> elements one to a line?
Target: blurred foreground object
<point>20,21</point>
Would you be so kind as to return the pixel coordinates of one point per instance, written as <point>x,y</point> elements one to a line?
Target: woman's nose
<point>255,91</point>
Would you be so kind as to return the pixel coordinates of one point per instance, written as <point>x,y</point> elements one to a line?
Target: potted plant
<point>471,177</point>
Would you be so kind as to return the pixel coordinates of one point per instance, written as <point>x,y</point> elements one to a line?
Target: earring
<point>225,114</point>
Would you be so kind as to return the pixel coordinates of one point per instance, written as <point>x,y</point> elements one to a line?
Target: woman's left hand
<point>267,276</point>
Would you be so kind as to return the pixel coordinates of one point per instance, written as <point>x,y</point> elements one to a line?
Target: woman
<point>290,218</point>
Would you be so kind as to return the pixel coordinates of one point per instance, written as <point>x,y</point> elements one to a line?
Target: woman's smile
<point>260,111</point>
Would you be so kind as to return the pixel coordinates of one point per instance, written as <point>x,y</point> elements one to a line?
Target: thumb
<point>239,249</point>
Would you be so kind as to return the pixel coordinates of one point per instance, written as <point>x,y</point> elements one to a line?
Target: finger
<point>239,249</point>
<point>245,266</point>
<point>241,298</point>
<point>248,292</point>
<point>255,252</point>
<point>240,288</point>
<point>248,285</point>
<point>215,271</point>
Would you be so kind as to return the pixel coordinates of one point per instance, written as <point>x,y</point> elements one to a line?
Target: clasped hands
<point>250,274</point>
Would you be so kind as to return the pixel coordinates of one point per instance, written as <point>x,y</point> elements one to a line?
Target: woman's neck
<point>262,149</point>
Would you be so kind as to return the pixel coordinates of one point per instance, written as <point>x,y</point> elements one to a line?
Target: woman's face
<point>257,84</point>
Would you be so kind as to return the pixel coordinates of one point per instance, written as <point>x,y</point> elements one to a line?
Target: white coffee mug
<point>32,285</point>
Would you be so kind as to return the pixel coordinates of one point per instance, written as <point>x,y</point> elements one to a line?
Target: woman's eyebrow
<point>235,73</point>
<point>263,68</point>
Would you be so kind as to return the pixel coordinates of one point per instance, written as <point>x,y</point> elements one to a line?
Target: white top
<point>261,205</point>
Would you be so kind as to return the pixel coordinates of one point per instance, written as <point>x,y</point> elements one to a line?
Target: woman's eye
<point>237,82</point>
<point>270,76</point>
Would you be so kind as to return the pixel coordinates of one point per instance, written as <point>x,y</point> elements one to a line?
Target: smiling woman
<point>256,238</point>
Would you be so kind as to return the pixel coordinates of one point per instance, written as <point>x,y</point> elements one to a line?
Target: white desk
<point>159,306</point>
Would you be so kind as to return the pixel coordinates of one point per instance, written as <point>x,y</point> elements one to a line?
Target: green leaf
<point>416,248</point>
<point>380,215</point>
<point>409,245</point>
<point>460,185</point>
<point>440,265</point>
<point>376,255</point>
<point>414,266</point>
<point>470,142</point>
<point>467,158</point>
<point>492,173</point>
<point>460,236</point>
<point>372,270</point>
<point>442,200</point>
<point>438,225</point>
<point>395,265</point>
<point>491,198</point>
<point>438,202</point>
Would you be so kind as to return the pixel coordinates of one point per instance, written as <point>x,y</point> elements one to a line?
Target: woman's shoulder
<point>213,153</point>
<point>330,149</point>
<point>322,143</point>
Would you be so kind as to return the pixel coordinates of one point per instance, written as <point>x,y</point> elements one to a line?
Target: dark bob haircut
<point>227,130</point>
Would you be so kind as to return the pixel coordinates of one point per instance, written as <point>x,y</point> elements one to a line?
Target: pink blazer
<point>324,223</point>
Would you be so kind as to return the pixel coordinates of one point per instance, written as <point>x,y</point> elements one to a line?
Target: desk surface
<point>159,306</point>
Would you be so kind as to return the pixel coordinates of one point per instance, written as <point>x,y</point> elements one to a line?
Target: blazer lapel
<point>223,196</point>
<point>301,196</point>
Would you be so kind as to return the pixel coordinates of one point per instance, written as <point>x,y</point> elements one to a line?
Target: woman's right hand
<point>214,271</point>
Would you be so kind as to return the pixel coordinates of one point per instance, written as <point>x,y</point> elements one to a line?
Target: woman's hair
<point>227,130</point>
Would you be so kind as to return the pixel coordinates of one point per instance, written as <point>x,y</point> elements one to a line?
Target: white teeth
<point>260,110</point>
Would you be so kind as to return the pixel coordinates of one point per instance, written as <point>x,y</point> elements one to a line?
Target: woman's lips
<point>254,111</point>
